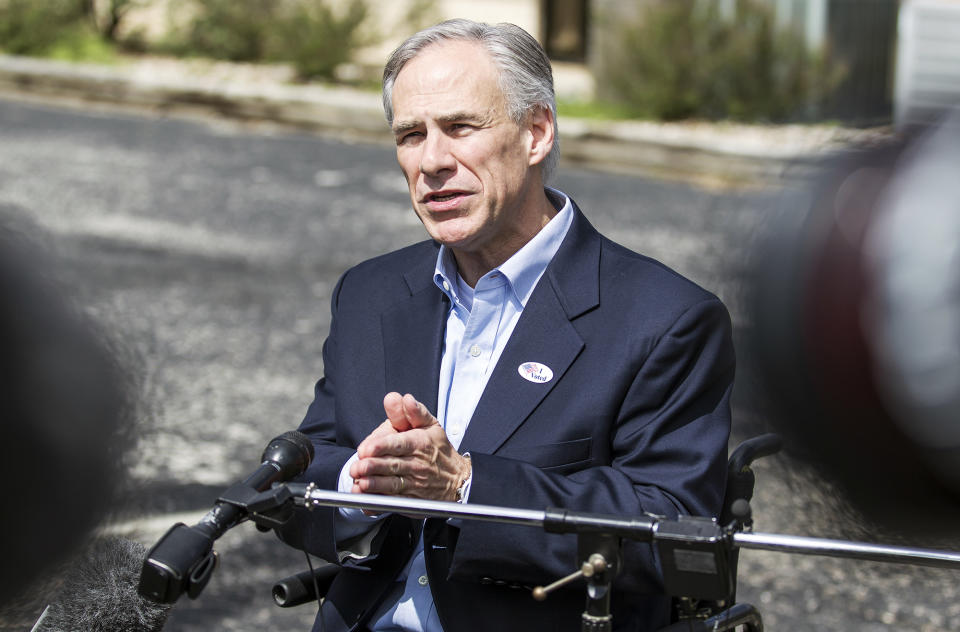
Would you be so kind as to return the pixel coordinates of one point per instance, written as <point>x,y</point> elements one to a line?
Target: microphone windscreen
<point>99,592</point>
<point>68,402</point>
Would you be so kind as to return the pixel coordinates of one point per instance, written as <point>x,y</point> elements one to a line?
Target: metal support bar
<point>843,548</point>
<point>313,497</point>
<point>639,529</point>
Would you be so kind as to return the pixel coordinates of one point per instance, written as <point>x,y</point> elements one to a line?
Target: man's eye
<point>408,138</point>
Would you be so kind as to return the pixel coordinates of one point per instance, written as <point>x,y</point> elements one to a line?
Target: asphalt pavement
<point>209,245</point>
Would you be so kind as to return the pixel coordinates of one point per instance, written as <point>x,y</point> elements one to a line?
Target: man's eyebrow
<point>456,117</point>
<point>401,127</point>
<point>404,126</point>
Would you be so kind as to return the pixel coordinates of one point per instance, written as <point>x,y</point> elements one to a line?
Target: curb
<point>722,154</point>
<point>312,107</point>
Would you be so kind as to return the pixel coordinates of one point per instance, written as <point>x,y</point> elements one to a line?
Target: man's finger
<point>387,485</point>
<point>393,406</point>
<point>416,413</point>
<point>374,466</point>
<point>398,444</point>
<point>383,430</point>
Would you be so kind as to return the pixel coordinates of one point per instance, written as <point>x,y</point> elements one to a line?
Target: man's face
<point>467,163</point>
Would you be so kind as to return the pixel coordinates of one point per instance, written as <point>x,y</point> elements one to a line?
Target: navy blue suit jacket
<point>636,419</point>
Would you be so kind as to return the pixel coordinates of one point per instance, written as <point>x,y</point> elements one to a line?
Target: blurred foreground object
<point>63,404</point>
<point>856,310</point>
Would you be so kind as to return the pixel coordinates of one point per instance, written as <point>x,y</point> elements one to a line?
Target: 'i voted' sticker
<point>535,372</point>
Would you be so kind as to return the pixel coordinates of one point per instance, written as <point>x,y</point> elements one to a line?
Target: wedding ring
<point>401,483</point>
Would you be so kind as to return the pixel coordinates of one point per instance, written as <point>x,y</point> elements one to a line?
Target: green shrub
<point>80,42</point>
<point>236,30</point>
<point>315,38</point>
<point>33,27</point>
<point>683,59</point>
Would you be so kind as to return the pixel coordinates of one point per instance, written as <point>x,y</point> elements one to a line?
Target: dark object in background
<point>63,408</point>
<point>856,311</point>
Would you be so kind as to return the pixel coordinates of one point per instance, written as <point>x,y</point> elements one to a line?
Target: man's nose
<point>436,156</point>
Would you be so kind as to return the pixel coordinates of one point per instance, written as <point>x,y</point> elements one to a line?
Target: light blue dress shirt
<point>479,325</point>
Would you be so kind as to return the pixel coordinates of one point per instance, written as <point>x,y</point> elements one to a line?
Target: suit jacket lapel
<point>413,331</point>
<point>544,334</point>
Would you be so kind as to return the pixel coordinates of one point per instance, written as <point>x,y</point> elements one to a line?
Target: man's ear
<point>541,129</point>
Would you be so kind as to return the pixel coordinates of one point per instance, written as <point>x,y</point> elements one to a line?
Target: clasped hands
<point>408,455</point>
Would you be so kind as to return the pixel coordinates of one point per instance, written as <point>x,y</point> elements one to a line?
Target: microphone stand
<point>694,552</point>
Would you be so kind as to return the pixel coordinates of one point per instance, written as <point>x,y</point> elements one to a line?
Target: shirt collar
<point>525,267</point>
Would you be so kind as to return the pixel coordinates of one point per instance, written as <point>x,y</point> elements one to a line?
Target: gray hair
<point>526,77</point>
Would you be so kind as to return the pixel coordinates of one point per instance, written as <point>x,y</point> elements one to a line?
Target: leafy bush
<point>63,29</point>
<point>683,59</point>
<point>317,39</point>
<point>315,36</point>
<point>236,30</point>
<point>310,34</point>
<point>81,42</point>
<point>33,27</point>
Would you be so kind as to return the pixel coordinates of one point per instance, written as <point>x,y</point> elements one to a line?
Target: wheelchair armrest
<point>753,449</point>
<point>305,586</point>
<point>740,477</point>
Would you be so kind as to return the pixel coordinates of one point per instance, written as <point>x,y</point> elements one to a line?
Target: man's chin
<point>457,245</point>
<point>450,236</point>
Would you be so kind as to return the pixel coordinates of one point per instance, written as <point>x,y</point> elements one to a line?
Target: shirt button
<point>422,580</point>
<point>446,286</point>
<point>475,350</point>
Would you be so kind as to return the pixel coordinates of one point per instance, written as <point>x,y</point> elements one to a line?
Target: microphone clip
<point>268,509</point>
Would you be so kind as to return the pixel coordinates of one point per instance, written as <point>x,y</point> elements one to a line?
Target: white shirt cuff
<point>350,520</point>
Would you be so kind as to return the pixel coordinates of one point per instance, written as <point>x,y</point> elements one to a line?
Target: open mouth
<point>443,196</point>
<point>444,201</point>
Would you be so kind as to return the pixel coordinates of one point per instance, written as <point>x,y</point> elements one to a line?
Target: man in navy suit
<point>517,358</point>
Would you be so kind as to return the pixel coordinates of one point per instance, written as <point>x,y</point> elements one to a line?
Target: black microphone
<point>183,559</point>
<point>285,457</point>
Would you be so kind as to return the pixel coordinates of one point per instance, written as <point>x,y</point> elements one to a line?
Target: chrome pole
<point>843,548</point>
<point>314,497</point>
<point>311,496</point>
